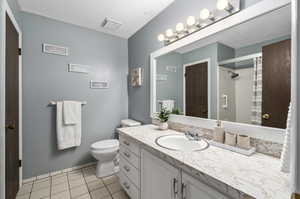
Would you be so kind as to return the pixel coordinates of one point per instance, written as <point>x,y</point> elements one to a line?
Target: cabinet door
<point>195,189</point>
<point>159,180</point>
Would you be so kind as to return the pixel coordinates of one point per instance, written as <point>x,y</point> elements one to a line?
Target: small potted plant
<point>163,118</point>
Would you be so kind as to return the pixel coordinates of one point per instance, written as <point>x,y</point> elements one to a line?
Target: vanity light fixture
<point>206,18</point>
<point>206,14</point>
<point>224,5</point>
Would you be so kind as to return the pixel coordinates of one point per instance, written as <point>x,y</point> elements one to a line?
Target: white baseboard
<point>53,173</point>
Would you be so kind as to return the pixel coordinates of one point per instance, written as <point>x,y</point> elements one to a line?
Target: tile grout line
<point>106,186</point>
<point>89,192</point>
<point>67,173</point>
<point>31,190</point>
<point>56,185</point>
<point>50,186</point>
<point>95,189</point>
<point>81,170</point>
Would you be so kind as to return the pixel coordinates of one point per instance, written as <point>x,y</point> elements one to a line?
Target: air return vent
<point>56,50</point>
<point>111,24</point>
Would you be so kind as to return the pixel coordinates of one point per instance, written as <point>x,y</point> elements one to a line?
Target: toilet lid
<point>105,144</point>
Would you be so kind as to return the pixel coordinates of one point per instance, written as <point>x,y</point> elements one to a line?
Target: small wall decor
<point>161,77</point>
<point>136,77</point>
<point>77,68</point>
<point>56,50</point>
<point>99,84</point>
<point>172,69</point>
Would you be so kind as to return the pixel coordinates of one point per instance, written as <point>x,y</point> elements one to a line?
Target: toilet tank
<point>129,123</point>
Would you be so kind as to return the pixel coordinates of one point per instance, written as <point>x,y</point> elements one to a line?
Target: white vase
<point>163,125</point>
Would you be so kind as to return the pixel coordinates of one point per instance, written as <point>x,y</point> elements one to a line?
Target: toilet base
<point>106,169</point>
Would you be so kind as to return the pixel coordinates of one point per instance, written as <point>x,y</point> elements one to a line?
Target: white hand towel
<point>71,112</point>
<point>67,135</point>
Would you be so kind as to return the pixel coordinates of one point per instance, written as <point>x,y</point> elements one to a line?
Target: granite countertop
<point>258,175</point>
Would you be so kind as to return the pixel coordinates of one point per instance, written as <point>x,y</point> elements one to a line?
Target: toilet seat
<point>105,145</point>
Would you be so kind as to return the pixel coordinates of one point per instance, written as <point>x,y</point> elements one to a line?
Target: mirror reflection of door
<point>276,83</point>
<point>196,92</point>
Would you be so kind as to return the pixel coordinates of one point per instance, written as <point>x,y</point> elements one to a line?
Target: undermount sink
<point>181,143</point>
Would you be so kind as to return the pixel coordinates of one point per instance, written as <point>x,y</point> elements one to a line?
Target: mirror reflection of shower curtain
<point>257,91</point>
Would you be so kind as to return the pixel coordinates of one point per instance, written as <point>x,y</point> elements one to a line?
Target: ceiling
<point>133,14</point>
<point>263,28</point>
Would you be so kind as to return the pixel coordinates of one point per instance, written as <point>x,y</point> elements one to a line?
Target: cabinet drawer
<point>128,186</point>
<point>132,146</point>
<point>130,157</point>
<point>130,171</point>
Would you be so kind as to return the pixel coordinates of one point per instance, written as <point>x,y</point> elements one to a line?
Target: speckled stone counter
<point>258,175</point>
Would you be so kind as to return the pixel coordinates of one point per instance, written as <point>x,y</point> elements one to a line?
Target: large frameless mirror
<point>241,74</point>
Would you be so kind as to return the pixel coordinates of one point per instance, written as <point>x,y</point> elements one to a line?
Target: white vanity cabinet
<point>192,188</point>
<point>129,174</point>
<point>159,180</point>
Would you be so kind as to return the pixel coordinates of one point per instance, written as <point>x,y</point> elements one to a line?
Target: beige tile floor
<point>79,184</point>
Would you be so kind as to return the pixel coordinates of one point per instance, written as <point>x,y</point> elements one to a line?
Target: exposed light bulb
<point>161,37</point>
<point>205,14</point>
<point>224,5</point>
<point>180,27</point>
<point>169,33</point>
<point>191,20</point>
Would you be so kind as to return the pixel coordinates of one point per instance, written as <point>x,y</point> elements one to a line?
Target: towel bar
<point>54,103</point>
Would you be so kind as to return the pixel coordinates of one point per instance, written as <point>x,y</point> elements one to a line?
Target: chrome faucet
<point>192,136</point>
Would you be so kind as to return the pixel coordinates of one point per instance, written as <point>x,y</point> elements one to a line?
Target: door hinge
<point>20,163</point>
<point>20,51</point>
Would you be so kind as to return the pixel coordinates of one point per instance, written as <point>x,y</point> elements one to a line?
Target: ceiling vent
<point>111,24</point>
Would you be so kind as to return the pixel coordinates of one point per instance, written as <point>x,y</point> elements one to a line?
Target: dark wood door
<point>276,83</point>
<point>196,102</point>
<point>11,110</point>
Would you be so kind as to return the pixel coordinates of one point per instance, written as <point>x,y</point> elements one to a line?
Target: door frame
<point>5,9</point>
<point>208,60</point>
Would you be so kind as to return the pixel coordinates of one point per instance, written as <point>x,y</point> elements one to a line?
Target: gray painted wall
<point>14,6</point>
<point>45,78</point>
<point>144,42</point>
<point>256,48</point>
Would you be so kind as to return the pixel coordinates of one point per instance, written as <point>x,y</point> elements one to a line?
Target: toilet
<point>106,153</point>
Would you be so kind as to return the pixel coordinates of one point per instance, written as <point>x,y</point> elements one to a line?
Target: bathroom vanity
<point>149,171</point>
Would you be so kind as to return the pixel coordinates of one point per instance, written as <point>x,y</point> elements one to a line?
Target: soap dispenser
<point>219,133</point>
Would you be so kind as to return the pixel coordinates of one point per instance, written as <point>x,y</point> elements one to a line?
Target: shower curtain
<point>257,91</point>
